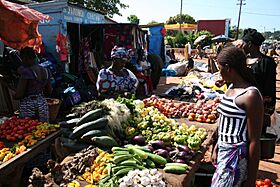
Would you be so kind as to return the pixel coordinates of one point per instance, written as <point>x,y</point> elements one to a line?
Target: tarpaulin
<point>19,25</point>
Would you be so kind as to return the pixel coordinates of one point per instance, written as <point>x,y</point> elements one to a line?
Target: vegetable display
<point>201,111</point>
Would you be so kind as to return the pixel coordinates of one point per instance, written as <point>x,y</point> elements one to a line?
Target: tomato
<point>259,183</point>
<point>12,138</point>
<point>267,182</point>
<point>266,185</point>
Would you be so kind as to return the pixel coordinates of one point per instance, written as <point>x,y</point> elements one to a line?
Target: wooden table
<point>185,180</point>
<point>11,171</point>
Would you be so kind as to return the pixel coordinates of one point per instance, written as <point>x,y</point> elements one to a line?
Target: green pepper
<point>143,125</point>
<point>129,131</point>
<point>166,137</point>
<point>194,142</point>
<point>180,139</point>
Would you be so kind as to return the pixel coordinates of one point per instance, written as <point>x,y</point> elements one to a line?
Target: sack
<point>71,96</point>
<point>275,125</point>
<point>179,67</point>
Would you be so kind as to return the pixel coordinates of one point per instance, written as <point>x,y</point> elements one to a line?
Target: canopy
<point>19,25</point>
<point>220,38</point>
<point>185,27</point>
<point>200,38</point>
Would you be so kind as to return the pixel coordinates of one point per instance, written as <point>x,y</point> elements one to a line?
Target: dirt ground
<point>267,168</point>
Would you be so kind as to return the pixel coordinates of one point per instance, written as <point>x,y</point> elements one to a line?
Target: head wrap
<point>254,36</point>
<point>120,53</point>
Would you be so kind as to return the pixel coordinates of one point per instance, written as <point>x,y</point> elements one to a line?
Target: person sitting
<point>33,85</point>
<point>116,80</point>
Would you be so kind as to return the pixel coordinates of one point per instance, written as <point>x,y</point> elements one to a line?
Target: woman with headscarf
<point>236,154</point>
<point>116,80</point>
<point>264,70</point>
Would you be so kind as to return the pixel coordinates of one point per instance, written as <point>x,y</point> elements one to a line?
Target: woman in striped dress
<point>33,84</point>
<point>236,154</point>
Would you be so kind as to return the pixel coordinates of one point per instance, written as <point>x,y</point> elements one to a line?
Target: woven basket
<point>54,105</point>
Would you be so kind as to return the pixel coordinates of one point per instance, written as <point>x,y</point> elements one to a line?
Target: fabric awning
<point>19,25</point>
<point>184,26</point>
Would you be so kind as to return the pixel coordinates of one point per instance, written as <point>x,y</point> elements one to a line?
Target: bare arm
<point>21,88</point>
<point>254,110</point>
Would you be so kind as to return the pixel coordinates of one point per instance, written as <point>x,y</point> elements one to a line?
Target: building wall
<point>216,27</point>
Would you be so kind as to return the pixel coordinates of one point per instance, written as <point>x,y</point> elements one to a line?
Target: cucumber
<point>157,159</point>
<point>91,116</point>
<point>118,168</point>
<point>130,162</point>
<point>72,116</point>
<point>69,123</point>
<point>116,153</point>
<point>104,180</point>
<point>92,133</point>
<point>175,169</point>
<point>114,149</point>
<point>150,163</point>
<point>124,171</point>
<point>121,158</point>
<point>104,141</point>
<point>93,125</point>
<point>139,152</point>
<point>177,164</point>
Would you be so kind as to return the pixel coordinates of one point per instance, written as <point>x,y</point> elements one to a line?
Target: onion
<point>140,140</point>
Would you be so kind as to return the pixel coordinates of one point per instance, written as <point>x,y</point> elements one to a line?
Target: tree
<point>232,32</point>
<point>152,22</point>
<point>185,19</point>
<point>133,19</point>
<point>108,7</point>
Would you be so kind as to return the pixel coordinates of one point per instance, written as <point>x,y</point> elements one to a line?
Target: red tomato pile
<point>15,129</point>
<point>200,111</point>
<point>2,145</point>
<point>264,183</point>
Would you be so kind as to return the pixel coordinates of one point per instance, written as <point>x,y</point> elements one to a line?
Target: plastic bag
<point>179,67</point>
<point>275,125</point>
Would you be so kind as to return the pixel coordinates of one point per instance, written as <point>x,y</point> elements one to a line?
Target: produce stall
<point>110,140</point>
<point>22,140</point>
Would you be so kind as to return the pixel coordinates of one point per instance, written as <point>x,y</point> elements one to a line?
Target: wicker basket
<point>54,105</point>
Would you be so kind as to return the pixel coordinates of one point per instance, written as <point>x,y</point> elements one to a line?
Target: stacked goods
<point>145,177</point>
<point>102,127</point>
<point>128,159</point>
<point>67,171</point>
<point>201,111</point>
<point>165,137</point>
<point>8,153</point>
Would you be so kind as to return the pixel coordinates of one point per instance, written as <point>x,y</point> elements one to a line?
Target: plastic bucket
<point>268,142</point>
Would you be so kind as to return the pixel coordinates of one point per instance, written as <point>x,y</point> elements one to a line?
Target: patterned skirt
<point>231,168</point>
<point>34,106</point>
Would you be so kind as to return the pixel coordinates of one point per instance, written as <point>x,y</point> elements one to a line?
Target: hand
<point>214,155</point>
<point>220,83</point>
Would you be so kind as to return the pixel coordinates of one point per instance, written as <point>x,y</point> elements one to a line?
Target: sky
<point>263,15</point>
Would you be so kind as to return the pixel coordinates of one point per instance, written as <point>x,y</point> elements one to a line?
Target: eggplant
<point>179,161</point>
<point>172,153</point>
<point>167,148</point>
<point>184,155</point>
<point>139,140</point>
<point>161,152</point>
<point>150,147</point>
<point>158,144</point>
<point>183,148</point>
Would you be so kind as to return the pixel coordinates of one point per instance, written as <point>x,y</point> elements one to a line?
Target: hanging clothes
<point>62,46</point>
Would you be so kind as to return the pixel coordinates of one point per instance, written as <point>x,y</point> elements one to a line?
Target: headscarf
<point>254,36</point>
<point>120,53</point>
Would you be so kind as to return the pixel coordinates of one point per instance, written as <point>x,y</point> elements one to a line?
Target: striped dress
<point>231,168</point>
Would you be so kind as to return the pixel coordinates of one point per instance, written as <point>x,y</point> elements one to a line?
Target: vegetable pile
<point>201,111</point>
<point>142,177</point>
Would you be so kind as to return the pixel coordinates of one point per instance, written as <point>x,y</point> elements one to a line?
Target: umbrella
<point>19,25</point>
<point>200,38</point>
<point>220,38</point>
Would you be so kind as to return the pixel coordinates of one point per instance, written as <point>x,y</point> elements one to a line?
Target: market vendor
<point>236,155</point>
<point>116,80</point>
<point>33,85</point>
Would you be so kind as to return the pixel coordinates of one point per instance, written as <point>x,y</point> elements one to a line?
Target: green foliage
<point>170,40</point>
<point>206,41</point>
<point>232,32</point>
<point>180,39</point>
<point>108,7</point>
<point>133,19</point>
<point>152,22</point>
<point>185,19</point>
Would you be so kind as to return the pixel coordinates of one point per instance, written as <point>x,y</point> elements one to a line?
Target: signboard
<point>82,16</point>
